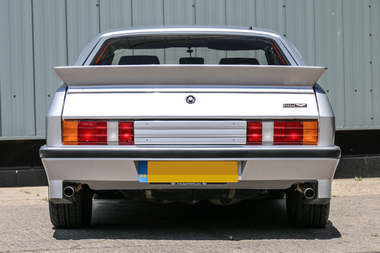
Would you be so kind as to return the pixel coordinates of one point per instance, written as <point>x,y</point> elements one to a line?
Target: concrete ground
<point>251,226</point>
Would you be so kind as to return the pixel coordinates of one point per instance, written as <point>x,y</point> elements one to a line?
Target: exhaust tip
<point>68,191</point>
<point>309,193</point>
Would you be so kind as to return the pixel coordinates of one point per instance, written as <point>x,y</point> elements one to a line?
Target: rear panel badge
<point>296,105</point>
<point>190,99</point>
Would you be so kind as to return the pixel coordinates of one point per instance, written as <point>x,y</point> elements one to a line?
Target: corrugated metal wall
<point>36,35</point>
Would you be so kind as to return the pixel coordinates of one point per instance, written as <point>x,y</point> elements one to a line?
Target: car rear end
<point>225,132</point>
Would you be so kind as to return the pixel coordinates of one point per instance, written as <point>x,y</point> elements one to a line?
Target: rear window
<point>189,49</point>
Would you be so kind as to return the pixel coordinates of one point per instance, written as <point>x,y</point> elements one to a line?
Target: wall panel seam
<point>33,67</point>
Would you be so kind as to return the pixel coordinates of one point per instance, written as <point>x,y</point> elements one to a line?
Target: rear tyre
<point>276,195</point>
<point>301,215</point>
<point>75,215</point>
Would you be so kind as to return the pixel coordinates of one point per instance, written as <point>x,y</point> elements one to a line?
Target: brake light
<point>282,132</point>
<point>287,133</point>
<point>94,132</point>
<point>126,133</point>
<point>254,133</point>
<point>295,133</point>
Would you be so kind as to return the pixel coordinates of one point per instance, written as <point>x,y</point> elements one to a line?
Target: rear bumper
<point>259,167</point>
<point>196,153</point>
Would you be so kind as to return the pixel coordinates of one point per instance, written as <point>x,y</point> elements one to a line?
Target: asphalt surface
<point>250,226</point>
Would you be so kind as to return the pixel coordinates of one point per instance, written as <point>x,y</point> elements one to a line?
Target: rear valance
<point>303,76</point>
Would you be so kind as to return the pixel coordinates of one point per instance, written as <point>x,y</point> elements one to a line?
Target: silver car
<point>188,114</point>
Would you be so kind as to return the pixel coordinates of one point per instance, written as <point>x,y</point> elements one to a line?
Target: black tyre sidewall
<point>301,215</point>
<point>74,215</point>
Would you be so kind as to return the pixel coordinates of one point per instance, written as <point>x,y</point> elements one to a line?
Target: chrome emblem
<point>295,105</point>
<point>190,99</point>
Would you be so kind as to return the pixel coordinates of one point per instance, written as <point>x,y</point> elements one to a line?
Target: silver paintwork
<point>190,132</point>
<point>218,75</point>
<point>189,89</point>
<point>173,106</point>
<point>161,96</point>
<point>279,173</point>
<point>326,135</point>
<point>54,118</point>
<point>55,188</point>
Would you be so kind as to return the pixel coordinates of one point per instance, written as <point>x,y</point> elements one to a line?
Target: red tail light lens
<point>75,132</point>
<point>288,133</point>
<point>92,133</point>
<point>126,133</point>
<point>254,132</point>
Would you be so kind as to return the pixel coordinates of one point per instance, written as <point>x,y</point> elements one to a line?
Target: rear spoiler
<point>303,76</point>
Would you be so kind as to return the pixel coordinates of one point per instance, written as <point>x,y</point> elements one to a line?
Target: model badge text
<point>303,105</point>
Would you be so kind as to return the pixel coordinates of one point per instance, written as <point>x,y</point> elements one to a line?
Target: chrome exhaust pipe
<point>308,192</point>
<point>69,191</point>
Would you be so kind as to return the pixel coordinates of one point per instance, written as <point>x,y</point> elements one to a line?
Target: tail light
<point>287,133</point>
<point>254,133</point>
<point>282,132</point>
<point>125,133</point>
<point>92,133</point>
<point>76,132</point>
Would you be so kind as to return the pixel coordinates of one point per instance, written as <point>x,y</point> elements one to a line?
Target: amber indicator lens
<point>70,132</point>
<point>310,132</point>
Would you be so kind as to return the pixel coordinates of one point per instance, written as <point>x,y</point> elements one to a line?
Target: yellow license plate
<point>188,171</point>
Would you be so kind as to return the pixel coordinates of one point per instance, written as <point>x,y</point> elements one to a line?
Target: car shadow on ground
<point>248,220</point>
